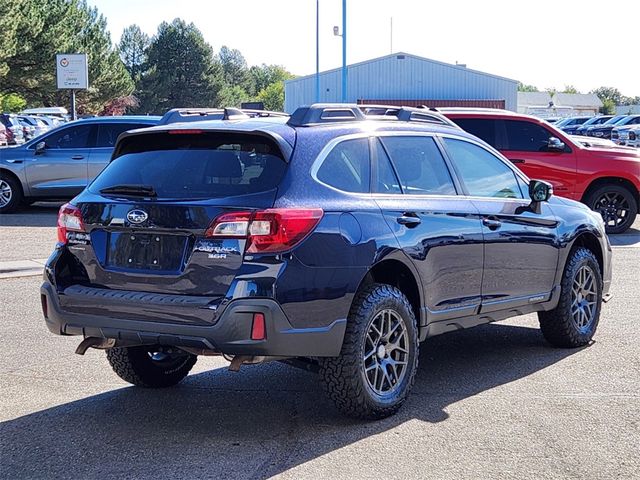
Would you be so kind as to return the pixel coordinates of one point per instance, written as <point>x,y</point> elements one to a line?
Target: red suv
<point>607,180</point>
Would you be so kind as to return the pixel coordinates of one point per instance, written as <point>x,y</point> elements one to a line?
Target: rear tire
<point>10,193</point>
<point>574,321</point>
<point>375,371</point>
<point>151,366</point>
<point>616,204</point>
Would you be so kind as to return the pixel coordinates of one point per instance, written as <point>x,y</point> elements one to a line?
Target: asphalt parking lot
<point>490,402</point>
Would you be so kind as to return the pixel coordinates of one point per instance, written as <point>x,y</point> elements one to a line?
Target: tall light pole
<point>336,32</point>
<point>344,51</point>
<point>317,51</point>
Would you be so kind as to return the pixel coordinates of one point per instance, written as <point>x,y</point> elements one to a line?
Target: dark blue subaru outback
<point>338,238</point>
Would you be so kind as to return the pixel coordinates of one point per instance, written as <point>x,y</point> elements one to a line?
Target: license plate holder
<point>145,251</point>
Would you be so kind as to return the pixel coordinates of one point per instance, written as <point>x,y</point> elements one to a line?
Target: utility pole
<point>391,37</point>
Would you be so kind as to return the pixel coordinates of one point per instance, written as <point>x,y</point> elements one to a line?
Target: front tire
<point>375,371</point>
<point>574,321</point>
<point>616,204</point>
<point>151,366</point>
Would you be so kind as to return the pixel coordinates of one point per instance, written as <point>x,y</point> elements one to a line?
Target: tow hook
<point>95,342</point>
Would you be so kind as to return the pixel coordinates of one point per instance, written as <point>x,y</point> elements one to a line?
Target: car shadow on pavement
<point>257,423</point>
<point>43,214</point>
<point>627,239</point>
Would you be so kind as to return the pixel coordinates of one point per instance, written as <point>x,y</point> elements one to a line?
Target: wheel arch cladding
<point>399,275</point>
<point>589,241</point>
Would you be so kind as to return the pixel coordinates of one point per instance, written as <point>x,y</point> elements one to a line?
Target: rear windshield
<point>195,166</point>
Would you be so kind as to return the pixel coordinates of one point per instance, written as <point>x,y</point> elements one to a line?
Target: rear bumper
<point>231,333</point>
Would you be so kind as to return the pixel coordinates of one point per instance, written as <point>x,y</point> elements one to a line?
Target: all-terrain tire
<point>611,200</point>
<point>11,192</point>
<point>344,377</point>
<point>559,326</point>
<point>137,366</point>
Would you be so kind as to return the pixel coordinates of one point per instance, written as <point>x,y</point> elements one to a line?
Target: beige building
<point>544,105</point>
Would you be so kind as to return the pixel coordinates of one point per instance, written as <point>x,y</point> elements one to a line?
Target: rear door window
<point>195,165</point>
<point>78,136</point>
<point>108,132</point>
<point>485,129</point>
<point>347,166</point>
<point>420,165</point>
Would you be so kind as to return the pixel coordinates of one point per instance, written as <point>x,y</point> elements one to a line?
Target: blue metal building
<point>402,78</point>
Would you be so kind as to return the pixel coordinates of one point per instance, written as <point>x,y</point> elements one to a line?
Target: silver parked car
<point>60,163</point>
<point>39,125</point>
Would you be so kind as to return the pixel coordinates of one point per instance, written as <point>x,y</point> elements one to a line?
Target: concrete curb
<point>22,268</point>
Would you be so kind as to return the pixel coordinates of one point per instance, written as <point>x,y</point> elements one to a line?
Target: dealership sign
<point>72,71</point>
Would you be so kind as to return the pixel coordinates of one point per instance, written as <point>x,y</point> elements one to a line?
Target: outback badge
<point>137,216</point>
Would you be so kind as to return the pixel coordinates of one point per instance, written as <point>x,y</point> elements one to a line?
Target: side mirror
<point>40,148</point>
<point>540,191</point>
<point>555,145</point>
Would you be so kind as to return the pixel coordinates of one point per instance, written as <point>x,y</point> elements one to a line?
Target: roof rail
<point>320,113</point>
<point>326,113</point>
<point>192,114</point>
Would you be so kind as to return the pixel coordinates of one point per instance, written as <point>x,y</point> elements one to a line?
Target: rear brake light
<point>69,219</point>
<point>267,231</point>
<point>186,131</point>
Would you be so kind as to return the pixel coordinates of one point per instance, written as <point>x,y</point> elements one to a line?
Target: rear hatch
<point>145,220</point>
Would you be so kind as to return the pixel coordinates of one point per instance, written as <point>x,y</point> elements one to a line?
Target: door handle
<point>77,157</point>
<point>517,160</point>
<point>491,223</point>
<point>409,219</point>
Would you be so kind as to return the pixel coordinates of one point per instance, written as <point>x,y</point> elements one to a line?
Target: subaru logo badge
<point>137,216</point>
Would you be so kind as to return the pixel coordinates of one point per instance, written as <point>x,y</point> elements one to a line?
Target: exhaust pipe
<point>95,342</point>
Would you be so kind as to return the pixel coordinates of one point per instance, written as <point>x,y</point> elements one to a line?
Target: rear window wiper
<point>132,190</point>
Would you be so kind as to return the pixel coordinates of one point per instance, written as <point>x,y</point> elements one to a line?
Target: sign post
<point>72,73</point>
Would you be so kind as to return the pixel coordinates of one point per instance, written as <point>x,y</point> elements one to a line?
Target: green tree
<point>608,93</point>
<point>570,89</point>
<point>527,88</point>
<point>232,96</point>
<point>180,70</point>
<point>12,103</point>
<point>608,107</point>
<point>273,96</point>
<point>20,20</point>
<point>63,26</point>
<point>133,47</point>
<point>234,68</point>
<point>264,75</point>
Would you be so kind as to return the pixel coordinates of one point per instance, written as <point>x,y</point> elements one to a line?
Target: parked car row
<point>21,128</point>
<point>627,135</point>
<point>14,131</point>
<point>600,126</point>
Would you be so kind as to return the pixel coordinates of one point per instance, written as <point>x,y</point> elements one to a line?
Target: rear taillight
<point>69,219</point>
<point>274,230</point>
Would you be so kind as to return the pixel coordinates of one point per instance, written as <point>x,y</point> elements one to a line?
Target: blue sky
<point>544,43</point>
